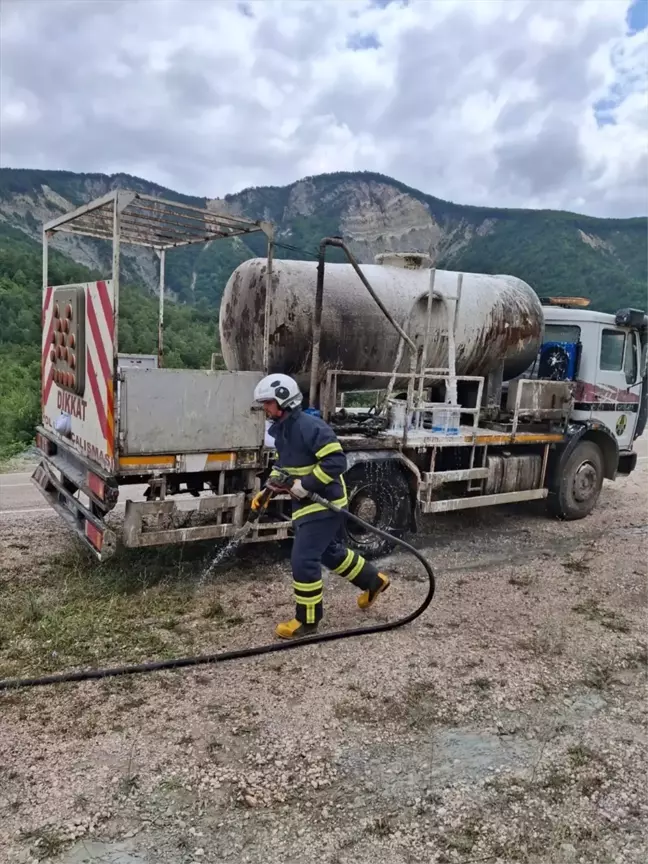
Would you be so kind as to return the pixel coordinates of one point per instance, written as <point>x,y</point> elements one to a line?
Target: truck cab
<point>605,357</point>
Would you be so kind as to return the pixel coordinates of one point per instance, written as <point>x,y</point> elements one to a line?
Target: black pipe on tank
<point>319,302</point>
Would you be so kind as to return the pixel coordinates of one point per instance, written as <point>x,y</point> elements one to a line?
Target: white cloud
<point>500,102</point>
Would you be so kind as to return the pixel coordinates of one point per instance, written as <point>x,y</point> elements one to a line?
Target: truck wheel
<point>579,487</point>
<point>381,496</point>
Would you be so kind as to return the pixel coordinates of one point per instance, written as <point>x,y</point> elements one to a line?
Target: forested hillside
<point>558,253</point>
<point>191,334</point>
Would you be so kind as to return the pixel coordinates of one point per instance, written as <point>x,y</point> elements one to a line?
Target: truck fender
<point>590,430</point>
<point>409,469</point>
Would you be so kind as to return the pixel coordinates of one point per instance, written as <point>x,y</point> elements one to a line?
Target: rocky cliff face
<point>29,210</point>
<point>373,215</point>
<point>559,253</point>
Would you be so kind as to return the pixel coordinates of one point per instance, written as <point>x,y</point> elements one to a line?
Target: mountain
<point>557,253</point>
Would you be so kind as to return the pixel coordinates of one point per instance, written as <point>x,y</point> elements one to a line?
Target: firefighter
<point>309,452</point>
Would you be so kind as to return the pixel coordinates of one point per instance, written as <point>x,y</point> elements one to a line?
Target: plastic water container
<point>445,420</point>
<point>398,416</point>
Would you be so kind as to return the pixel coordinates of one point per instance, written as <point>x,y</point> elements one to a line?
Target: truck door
<point>617,394</point>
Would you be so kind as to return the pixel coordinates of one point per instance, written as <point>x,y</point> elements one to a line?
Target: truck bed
<point>467,437</point>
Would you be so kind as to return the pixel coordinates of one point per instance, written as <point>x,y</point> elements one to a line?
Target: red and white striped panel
<point>92,413</point>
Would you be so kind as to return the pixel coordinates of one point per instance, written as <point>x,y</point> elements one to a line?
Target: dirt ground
<point>508,724</point>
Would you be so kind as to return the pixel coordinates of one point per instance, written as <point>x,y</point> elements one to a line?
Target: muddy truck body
<point>447,390</point>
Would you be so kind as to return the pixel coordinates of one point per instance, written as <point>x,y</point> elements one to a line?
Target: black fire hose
<point>241,653</point>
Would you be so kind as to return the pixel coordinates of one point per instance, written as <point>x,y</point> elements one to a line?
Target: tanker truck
<point>447,390</point>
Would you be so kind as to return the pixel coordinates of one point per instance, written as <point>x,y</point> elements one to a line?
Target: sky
<point>510,103</point>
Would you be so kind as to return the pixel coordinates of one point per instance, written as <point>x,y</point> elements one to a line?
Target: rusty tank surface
<point>499,319</point>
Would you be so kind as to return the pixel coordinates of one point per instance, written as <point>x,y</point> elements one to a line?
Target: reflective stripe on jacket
<point>309,449</point>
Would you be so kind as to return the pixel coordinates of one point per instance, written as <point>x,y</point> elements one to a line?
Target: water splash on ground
<point>224,553</point>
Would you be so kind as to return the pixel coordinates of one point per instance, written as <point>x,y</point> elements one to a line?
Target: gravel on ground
<point>508,724</point>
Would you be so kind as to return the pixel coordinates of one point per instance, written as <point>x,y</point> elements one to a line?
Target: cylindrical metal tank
<point>499,318</point>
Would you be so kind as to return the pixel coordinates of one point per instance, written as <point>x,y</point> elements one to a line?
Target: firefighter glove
<point>260,500</point>
<point>297,490</point>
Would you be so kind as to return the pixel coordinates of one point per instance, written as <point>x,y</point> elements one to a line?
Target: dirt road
<point>507,725</point>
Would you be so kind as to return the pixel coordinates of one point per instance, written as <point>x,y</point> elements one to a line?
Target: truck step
<point>91,529</point>
<point>438,478</point>
<point>482,500</point>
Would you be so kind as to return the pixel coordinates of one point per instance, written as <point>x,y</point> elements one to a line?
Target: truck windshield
<point>562,333</point>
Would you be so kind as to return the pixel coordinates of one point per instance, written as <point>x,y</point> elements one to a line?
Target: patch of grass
<point>463,838</point>
<point>170,784</point>
<point>588,608</point>
<point>509,788</point>
<point>360,712</point>
<point>590,785</point>
<point>581,755</point>
<point>81,801</point>
<point>213,609</point>
<point>522,581</point>
<point>32,612</point>
<point>555,783</point>
<point>547,642</point>
<point>637,657</point>
<point>382,826</point>
<point>45,842</point>
<point>418,706</point>
<point>128,784</point>
<point>593,611</point>
<point>599,676</point>
<point>246,729</point>
<point>615,622</point>
<point>130,703</point>
<point>576,565</point>
<point>483,684</point>
<point>214,748</point>
<point>77,612</point>
<point>123,684</point>
<point>169,623</point>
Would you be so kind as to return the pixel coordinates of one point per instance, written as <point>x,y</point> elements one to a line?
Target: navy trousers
<point>318,540</point>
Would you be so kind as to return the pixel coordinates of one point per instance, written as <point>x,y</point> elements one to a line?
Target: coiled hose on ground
<point>241,653</point>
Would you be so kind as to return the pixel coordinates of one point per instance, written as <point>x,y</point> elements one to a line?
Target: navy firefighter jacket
<point>308,448</point>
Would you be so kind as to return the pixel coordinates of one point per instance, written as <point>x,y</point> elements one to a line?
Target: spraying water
<point>225,552</point>
<point>236,541</point>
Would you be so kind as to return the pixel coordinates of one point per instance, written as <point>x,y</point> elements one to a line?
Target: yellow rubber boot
<point>294,629</point>
<point>367,598</point>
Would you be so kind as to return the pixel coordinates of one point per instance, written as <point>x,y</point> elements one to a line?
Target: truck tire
<point>578,488</point>
<point>380,495</point>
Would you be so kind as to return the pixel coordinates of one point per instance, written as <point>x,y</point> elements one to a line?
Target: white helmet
<point>282,388</point>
